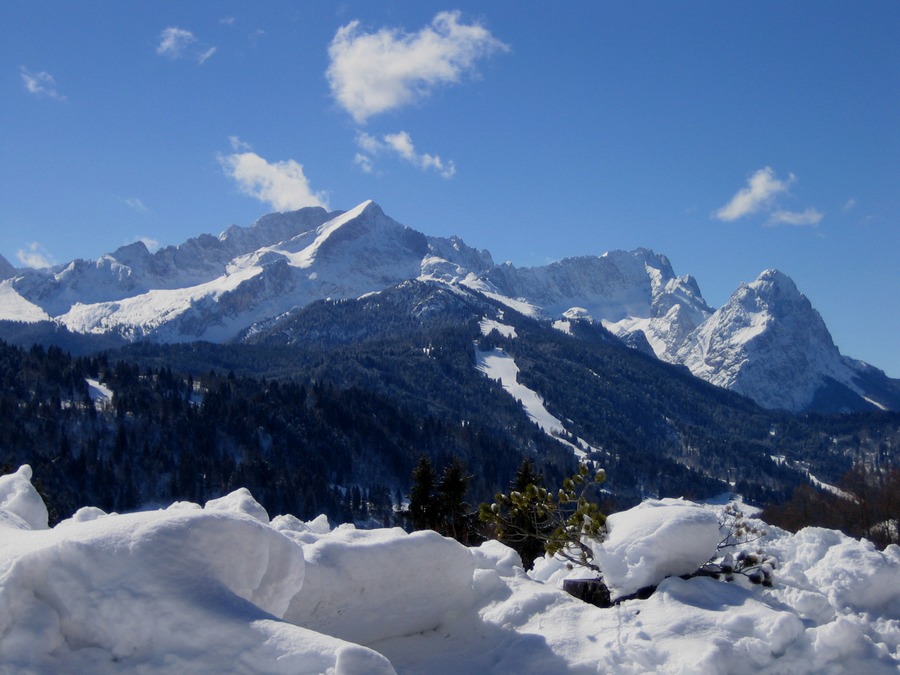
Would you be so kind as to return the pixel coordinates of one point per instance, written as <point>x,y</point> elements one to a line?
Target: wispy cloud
<point>401,145</point>
<point>808,217</point>
<point>372,73</point>
<point>40,84</point>
<point>202,58</point>
<point>364,162</point>
<point>35,255</point>
<point>135,203</point>
<point>849,205</point>
<point>282,185</point>
<point>177,43</point>
<point>238,145</point>
<point>762,188</point>
<point>173,42</point>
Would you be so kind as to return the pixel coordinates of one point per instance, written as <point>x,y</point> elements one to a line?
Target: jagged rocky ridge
<point>767,342</point>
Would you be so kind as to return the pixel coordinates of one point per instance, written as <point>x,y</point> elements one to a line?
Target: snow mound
<point>20,504</point>
<point>221,589</point>
<point>183,590</point>
<point>658,538</point>
<point>239,501</point>
<point>417,580</point>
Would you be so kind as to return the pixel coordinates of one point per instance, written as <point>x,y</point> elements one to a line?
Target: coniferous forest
<point>330,411</point>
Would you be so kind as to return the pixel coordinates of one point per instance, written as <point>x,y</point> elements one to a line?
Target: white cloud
<point>227,21</point>
<point>809,216</point>
<point>401,145</point>
<point>369,143</point>
<point>762,187</point>
<point>135,203</point>
<point>238,145</point>
<point>201,59</point>
<point>35,255</point>
<point>851,203</point>
<point>282,185</point>
<point>40,84</point>
<point>173,42</point>
<point>372,73</point>
<point>177,43</point>
<point>364,162</point>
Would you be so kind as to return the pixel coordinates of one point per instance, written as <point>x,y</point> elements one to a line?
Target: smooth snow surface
<point>222,589</point>
<point>13,307</point>
<point>500,366</point>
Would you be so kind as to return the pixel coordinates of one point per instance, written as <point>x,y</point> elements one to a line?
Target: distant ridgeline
<point>767,342</point>
<point>327,409</point>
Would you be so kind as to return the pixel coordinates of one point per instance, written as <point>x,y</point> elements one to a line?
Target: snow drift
<point>221,588</point>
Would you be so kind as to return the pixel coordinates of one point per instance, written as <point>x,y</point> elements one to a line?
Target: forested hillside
<point>328,409</point>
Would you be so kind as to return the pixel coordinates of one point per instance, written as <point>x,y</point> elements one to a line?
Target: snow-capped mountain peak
<point>769,343</point>
<point>766,342</point>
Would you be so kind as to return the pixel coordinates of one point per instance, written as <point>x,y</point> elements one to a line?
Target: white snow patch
<point>563,326</point>
<point>100,394</point>
<point>878,405</point>
<point>13,307</point>
<point>833,489</point>
<point>487,325</point>
<point>500,366</point>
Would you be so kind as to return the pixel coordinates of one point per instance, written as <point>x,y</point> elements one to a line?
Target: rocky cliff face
<point>768,343</point>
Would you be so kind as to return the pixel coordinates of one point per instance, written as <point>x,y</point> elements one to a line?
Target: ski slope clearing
<point>223,588</point>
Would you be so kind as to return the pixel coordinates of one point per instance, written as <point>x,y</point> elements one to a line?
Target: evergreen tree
<point>421,495</point>
<point>452,510</point>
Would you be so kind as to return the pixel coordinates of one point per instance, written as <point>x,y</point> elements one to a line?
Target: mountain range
<point>767,342</point>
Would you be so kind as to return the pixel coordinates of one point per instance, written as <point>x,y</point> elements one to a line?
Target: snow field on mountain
<point>13,307</point>
<point>500,366</point>
<point>222,589</point>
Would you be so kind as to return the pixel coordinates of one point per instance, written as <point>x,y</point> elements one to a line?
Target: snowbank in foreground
<point>222,589</point>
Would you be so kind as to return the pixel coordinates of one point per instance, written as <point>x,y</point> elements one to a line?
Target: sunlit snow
<point>13,307</point>
<point>488,325</point>
<point>221,588</point>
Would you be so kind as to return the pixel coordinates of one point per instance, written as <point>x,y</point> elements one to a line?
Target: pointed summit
<point>769,343</point>
<point>6,269</point>
<point>774,286</point>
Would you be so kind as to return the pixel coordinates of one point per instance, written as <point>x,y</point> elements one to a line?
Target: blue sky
<point>732,137</point>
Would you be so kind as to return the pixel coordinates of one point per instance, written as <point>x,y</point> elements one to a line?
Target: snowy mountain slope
<point>767,342</point>
<point>132,270</point>
<point>625,291</point>
<point>357,252</point>
<point>14,307</point>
